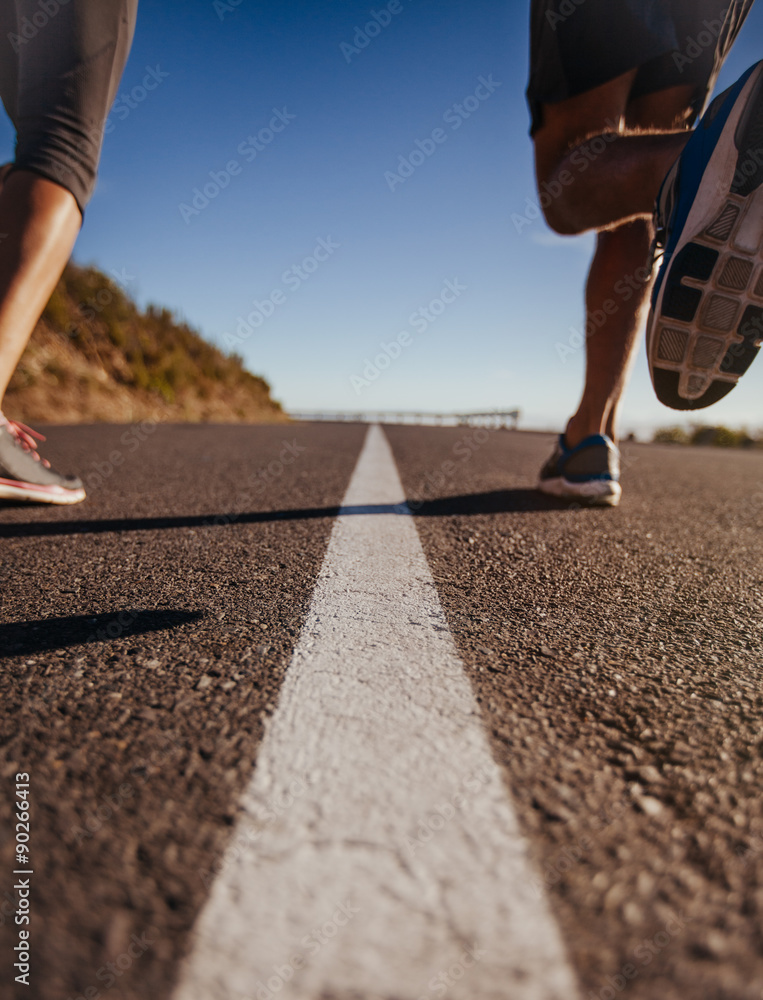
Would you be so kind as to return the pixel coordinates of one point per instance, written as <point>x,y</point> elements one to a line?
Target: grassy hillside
<point>95,356</point>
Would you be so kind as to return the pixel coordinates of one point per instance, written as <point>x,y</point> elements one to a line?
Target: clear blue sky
<point>345,119</point>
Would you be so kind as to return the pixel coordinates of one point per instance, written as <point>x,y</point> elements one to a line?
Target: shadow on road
<point>25,638</point>
<point>496,502</point>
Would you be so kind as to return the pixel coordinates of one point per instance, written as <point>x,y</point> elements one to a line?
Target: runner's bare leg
<point>39,222</point>
<point>614,194</point>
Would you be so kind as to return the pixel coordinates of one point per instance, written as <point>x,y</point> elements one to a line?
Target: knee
<point>61,109</point>
<point>66,159</point>
<point>557,202</point>
<point>557,211</point>
<point>561,222</point>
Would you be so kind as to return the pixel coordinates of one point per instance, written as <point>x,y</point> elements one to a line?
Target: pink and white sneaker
<point>24,475</point>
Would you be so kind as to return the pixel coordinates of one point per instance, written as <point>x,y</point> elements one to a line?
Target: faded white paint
<point>383,857</point>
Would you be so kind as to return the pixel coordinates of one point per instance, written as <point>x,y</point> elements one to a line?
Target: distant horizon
<point>265,129</point>
<point>646,429</point>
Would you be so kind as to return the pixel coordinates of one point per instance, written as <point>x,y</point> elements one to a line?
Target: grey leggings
<point>60,66</point>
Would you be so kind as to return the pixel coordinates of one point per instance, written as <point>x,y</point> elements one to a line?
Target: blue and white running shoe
<point>589,472</point>
<point>706,320</point>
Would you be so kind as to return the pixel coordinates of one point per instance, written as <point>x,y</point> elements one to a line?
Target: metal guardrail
<point>490,418</point>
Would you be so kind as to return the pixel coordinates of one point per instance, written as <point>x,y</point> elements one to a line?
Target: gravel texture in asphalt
<point>144,637</point>
<point>615,654</point>
<point>617,658</point>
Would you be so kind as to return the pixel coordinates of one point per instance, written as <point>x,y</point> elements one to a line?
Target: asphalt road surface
<point>606,663</point>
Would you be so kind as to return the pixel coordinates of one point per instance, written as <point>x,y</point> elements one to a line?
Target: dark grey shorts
<point>576,45</point>
<point>60,66</point>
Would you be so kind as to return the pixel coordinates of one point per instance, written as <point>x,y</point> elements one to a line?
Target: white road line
<point>377,856</point>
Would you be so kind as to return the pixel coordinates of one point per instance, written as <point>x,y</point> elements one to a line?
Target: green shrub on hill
<point>671,435</point>
<point>96,356</point>
<point>704,434</point>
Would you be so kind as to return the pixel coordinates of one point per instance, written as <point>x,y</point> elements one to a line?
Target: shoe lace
<point>25,437</point>
<point>663,214</point>
<point>657,252</point>
<point>660,220</point>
